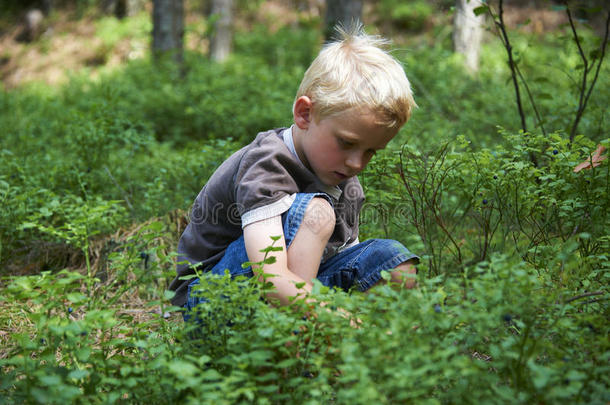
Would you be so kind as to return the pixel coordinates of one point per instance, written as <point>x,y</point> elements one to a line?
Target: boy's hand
<point>405,274</point>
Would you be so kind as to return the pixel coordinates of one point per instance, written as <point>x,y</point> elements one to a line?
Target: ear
<point>302,112</point>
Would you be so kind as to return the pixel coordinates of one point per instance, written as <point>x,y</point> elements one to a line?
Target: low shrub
<point>495,333</point>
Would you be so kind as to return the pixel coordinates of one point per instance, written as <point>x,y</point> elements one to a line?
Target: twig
<point>531,98</point>
<point>584,92</point>
<point>119,187</point>
<point>593,301</point>
<point>511,62</point>
<point>584,295</point>
<point>513,69</point>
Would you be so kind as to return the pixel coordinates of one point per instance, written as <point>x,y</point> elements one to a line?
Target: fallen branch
<point>585,295</point>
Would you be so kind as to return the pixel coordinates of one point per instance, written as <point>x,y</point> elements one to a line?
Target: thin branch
<point>583,85</point>
<point>585,295</point>
<point>116,183</point>
<point>531,98</point>
<point>513,69</point>
<point>601,58</point>
<point>585,93</point>
<point>593,301</point>
<point>511,63</point>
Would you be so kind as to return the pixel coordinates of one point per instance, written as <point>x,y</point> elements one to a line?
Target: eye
<point>344,143</point>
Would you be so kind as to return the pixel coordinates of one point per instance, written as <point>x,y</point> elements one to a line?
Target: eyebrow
<point>355,140</point>
<point>348,136</point>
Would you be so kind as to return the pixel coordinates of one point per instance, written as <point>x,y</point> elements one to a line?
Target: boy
<point>300,183</point>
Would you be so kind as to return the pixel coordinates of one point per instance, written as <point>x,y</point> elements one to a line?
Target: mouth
<point>341,176</point>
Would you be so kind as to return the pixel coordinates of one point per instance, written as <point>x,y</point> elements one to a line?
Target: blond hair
<point>355,72</point>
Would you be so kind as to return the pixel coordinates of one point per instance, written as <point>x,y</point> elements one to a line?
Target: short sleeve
<point>264,183</point>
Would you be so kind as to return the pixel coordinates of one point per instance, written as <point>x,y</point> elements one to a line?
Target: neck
<point>297,139</point>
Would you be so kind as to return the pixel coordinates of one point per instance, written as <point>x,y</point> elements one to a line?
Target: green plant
<point>512,300</point>
<point>412,16</point>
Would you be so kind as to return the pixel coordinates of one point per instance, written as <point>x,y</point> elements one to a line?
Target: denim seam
<point>354,263</point>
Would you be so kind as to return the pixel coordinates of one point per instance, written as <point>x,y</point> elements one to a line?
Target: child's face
<point>340,147</point>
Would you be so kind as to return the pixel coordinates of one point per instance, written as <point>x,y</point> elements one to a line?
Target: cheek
<point>333,155</point>
<point>326,151</point>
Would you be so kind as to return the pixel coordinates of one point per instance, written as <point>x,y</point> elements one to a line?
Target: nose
<point>355,161</point>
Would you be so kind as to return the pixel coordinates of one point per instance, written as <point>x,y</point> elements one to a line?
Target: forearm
<point>285,283</point>
<point>257,239</point>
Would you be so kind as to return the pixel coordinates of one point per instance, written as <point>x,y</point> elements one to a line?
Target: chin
<point>335,183</point>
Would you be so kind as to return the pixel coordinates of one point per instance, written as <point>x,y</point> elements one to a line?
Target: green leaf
<point>286,363</point>
<point>211,374</point>
<point>271,249</point>
<point>78,374</point>
<point>50,380</point>
<point>541,374</point>
<point>266,332</point>
<point>270,260</point>
<point>83,354</point>
<point>480,10</point>
<point>75,297</point>
<point>183,368</point>
<point>155,226</point>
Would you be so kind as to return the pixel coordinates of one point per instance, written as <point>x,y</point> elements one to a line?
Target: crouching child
<point>300,183</point>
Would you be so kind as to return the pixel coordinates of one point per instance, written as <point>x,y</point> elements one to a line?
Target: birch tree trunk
<point>467,32</point>
<point>168,29</point>
<point>343,12</point>
<point>221,40</point>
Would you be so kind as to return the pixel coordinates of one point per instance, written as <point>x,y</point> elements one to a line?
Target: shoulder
<point>267,153</point>
<point>270,141</point>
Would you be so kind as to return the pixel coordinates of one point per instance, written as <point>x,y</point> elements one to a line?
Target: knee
<point>320,217</point>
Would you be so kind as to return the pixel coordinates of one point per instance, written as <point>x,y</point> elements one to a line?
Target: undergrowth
<point>512,303</point>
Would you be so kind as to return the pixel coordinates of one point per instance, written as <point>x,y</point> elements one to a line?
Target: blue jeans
<point>360,265</point>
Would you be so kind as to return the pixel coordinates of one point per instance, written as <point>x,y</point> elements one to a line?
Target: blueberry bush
<point>511,306</point>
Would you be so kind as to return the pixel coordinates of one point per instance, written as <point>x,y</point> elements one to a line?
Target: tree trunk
<point>343,12</point>
<point>467,32</point>
<point>221,40</point>
<point>122,8</point>
<point>47,6</point>
<point>168,29</point>
<point>33,26</point>
<point>108,6</point>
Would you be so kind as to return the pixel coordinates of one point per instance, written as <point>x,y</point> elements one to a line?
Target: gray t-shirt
<point>258,182</point>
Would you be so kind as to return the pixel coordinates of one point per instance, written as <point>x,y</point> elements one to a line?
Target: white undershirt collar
<point>335,192</point>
